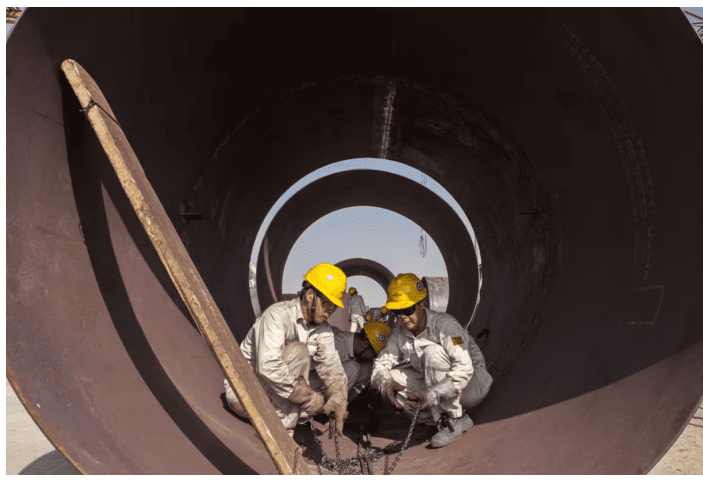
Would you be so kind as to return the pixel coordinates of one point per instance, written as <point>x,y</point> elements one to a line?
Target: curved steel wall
<point>571,139</point>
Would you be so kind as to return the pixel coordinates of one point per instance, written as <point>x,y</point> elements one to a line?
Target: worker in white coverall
<point>357,310</point>
<point>289,339</point>
<point>430,364</point>
<point>357,351</point>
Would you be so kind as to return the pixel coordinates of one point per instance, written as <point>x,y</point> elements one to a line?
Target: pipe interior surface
<point>569,137</point>
<point>369,268</point>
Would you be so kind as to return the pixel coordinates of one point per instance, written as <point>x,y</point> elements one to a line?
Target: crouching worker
<point>357,351</point>
<point>430,364</point>
<point>288,340</point>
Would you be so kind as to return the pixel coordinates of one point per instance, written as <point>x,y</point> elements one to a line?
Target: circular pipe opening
<point>373,164</point>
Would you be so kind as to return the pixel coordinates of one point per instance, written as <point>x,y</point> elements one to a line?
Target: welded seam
<point>387,118</point>
<point>659,304</point>
<point>630,149</point>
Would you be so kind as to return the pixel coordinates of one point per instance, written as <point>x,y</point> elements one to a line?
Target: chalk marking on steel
<point>656,314</point>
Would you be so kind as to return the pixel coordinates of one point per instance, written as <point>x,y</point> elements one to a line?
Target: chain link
<point>362,464</point>
<point>386,470</point>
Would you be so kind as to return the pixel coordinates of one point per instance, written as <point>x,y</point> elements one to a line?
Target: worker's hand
<point>333,406</point>
<point>337,404</point>
<point>388,394</point>
<point>314,404</point>
<point>308,399</point>
<point>422,399</point>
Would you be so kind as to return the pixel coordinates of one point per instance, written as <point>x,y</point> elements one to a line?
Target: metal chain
<point>367,456</point>
<point>338,465</point>
<point>386,470</point>
<point>362,463</point>
<point>359,453</point>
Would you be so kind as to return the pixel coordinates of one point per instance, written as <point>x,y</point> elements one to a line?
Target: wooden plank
<point>286,454</point>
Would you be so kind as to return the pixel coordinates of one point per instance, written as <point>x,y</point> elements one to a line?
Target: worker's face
<point>414,321</point>
<point>322,308</point>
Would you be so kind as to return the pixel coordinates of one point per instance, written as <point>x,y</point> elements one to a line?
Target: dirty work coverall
<point>358,372</point>
<point>281,347</point>
<point>444,349</point>
<point>357,312</point>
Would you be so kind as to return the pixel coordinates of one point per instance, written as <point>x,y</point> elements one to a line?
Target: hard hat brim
<point>339,303</point>
<point>404,291</point>
<point>400,305</point>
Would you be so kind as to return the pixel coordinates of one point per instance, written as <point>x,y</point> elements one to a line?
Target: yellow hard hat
<point>405,291</point>
<point>378,334</point>
<point>329,280</point>
<point>352,291</point>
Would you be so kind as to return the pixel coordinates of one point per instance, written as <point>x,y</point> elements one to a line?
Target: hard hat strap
<point>314,304</point>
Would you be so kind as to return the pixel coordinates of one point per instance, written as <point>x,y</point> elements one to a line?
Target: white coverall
<point>444,349</point>
<point>282,327</point>
<point>357,312</point>
<point>358,373</point>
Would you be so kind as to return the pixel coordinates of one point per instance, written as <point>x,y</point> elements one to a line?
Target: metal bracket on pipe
<point>286,454</point>
<point>438,292</point>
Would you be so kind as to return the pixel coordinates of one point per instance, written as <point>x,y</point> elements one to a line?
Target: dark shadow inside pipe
<point>93,172</point>
<point>88,168</point>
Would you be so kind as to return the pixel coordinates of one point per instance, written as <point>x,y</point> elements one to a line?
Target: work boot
<point>449,429</point>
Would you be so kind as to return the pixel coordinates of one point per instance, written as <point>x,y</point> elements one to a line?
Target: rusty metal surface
<point>575,155</point>
<point>184,275</point>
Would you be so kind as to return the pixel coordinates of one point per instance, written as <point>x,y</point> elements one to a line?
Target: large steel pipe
<point>368,268</point>
<point>570,138</point>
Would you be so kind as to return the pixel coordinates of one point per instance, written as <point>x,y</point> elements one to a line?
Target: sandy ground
<point>30,453</point>
<point>685,457</point>
<point>28,450</point>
